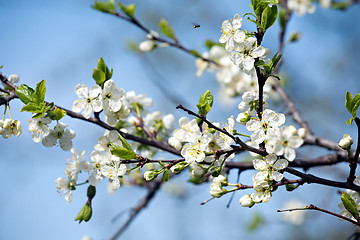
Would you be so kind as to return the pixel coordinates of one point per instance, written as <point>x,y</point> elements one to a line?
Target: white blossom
<point>88,100</point>
<point>267,127</point>
<point>231,33</point>
<point>301,6</point>
<point>10,127</point>
<point>112,96</point>
<point>269,168</point>
<point>59,133</point>
<point>39,127</point>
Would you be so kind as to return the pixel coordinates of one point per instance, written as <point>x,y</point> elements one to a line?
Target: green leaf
<point>350,120</point>
<point>124,143</point>
<point>340,5</point>
<point>350,205</point>
<point>205,103</point>
<point>209,43</point>
<point>355,102</point>
<point>166,29</point>
<point>106,7</point>
<point>31,107</point>
<point>58,114</point>
<point>40,91</point>
<point>348,100</point>
<point>25,93</point>
<point>195,53</point>
<point>99,76</point>
<point>251,14</point>
<point>255,223</point>
<point>282,18</point>
<point>123,153</point>
<point>268,17</point>
<point>166,176</point>
<point>129,10</point>
<point>257,23</point>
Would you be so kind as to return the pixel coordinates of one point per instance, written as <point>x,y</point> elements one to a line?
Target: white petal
<point>81,90</point>
<point>237,21</point>
<point>65,143</point>
<point>290,154</point>
<point>95,91</point>
<point>276,176</point>
<point>259,164</point>
<point>239,36</point>
<point>280,164</point>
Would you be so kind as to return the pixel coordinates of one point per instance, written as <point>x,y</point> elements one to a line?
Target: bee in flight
<point>195,25</point>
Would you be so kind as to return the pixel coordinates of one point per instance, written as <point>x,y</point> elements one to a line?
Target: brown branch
<point>353,161</point>
<point>175,44</point>
<point>309,178</point>
<point>140,206</point>
<point>313,207</point>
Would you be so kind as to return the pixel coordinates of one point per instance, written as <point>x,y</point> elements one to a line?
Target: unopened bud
<point>150,175</point>
<point>246,201</point>
<point>302,132</point>
<point>346,142</point>
<point>85,213</point>
<point>177,168</point>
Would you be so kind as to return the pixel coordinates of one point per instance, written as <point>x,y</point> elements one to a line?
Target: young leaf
<point>349,121</point>
<point>123,153</point>
<point>205,103</point>
<point>166,29</point>
<point>30,107</point>
<point>348,100</point>
<point>129,10</point>
<point>99,76</point>
<point>58,114</point>
<point>355,102</point>
<point>106,7</point>
<point>268,17</point>
<point>166,176</point>
<point>124,143</point>
<point>25,93</point>
<point>350,205</point>
<point>40,91</point>
<point>195,53</point>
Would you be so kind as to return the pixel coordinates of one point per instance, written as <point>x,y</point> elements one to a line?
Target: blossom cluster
<point>355,196</point>
<point>263,180</point>
<point>195,143</point>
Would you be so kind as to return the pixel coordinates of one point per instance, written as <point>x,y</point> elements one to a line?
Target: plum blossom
<point>59,133</point>
<point>112,96</point>
<point>269,168</point>
<point>88,100</point>
<point>39,127</point>
<point>231,33</point>
<point>10,127</point>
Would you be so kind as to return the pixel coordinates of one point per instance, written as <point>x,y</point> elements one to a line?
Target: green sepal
<point>129,10</point>
<point>205,103</point>
<point>166,29</point>
<point>166,176</point>
<point>25,93</point>
<point>162,164</point>
<point>350,205</point>
<point>106,7</point>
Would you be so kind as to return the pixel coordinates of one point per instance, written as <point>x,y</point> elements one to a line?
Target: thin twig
<point>313,207</point>
<point>140,206</point>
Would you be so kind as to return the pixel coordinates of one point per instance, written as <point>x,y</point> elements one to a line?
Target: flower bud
<point>14,78</point>
<point>302,132</point>
<point>346,142</point>
<point>246,201</point>
<point>85,213</point>
<point>215,171</point>
<point>177,168</point>
<point>150,175</point>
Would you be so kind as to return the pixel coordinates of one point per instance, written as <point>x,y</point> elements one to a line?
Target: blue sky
<point>61,41</point>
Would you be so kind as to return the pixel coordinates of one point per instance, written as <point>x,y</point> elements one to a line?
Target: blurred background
<point>61,41</point>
